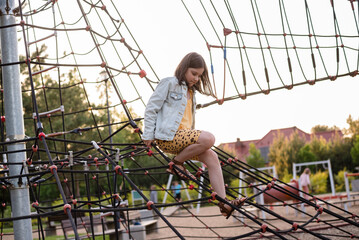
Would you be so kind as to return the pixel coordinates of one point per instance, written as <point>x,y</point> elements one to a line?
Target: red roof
<point>241,148</point>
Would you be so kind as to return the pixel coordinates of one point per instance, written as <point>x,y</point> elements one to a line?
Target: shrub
<point>319,182</point>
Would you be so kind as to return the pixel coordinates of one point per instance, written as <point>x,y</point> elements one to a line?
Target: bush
<point>339,180</point>
<point>319,182</point>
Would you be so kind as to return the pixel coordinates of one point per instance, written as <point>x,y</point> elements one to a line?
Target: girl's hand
<point>148,143</point>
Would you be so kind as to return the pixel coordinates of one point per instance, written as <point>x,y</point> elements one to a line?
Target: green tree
<point>320,148</point>
<point>305,155</point>
<point>340,154</point>
<point>255,158</point>
<point>295,143</point>
<point>353,129</point>
<point>354,151</point>
<point>323,128</point>
<point>278,155</point>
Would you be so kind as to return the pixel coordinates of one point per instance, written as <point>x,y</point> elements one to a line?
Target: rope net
<point>84,154</point>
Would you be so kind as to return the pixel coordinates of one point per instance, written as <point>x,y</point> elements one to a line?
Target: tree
<point>354,151</point>
<point>353,129</point>
<point>320,148</point>
<point>255,158</point>
<point>295,143</point>
<point>278,154</point>
<point>340,154</point>
<point>306,155</point>
<point>323,128</point>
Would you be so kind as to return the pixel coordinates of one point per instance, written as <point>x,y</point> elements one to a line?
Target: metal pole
<point>19,192</point>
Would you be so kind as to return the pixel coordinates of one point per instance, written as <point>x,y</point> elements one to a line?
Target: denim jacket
<point>165,110</point>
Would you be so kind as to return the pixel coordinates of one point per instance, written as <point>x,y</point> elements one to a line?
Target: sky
<point>165,32</point>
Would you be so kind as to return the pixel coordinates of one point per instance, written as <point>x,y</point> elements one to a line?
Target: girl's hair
<point>307,171</point>
<point>194,60</point>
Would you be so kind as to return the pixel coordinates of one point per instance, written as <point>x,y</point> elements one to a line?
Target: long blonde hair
<point>195,60</point>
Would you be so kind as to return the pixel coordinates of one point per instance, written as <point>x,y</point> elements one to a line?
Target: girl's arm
<point>154,105</point>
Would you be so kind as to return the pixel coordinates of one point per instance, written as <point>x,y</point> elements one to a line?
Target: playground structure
<point>47,158</point>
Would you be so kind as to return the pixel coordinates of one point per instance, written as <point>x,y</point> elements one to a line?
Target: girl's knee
<point>207,139</point>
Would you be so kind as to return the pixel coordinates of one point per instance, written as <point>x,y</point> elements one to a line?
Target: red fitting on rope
<point>191,187</point>
<point>2,118</point>
<point>320,210</point>
<point>116,196</point>
<point>354,216</point>
<point>294,47</point>
<point>220,102</point>
<point>122,40</point>
<point>264,228</point>
<point>35,204</point>
<point>311,82</point>
<point>134,147</point>
<point>3,205</point>
<point>170,164</point>
<point>310,35</point>
<point>107,162</point>
<point>88,28</point>
<point>65,180</point>
<point>289,87</point>
<point>95,160</point>
<point>268,47</point>
<point>142,73</point>
<point>117,170</point>
<point>229,160</point>
<point>213,194</point>
<point>342,45</point>
<point>273,183</point>
<point>227,31</point>
<point>295,226</point>
<point>284,34</point>
<point>317,47</point>
<point>250,185</point>
<point>94,177</point>
<point>266,92</point>
<point>103,7</point>
<point>149,203</point>
<point>332,78</point>
<point>284,204</point>
<point>124,101</point>
<point>150,153</point>
<point>52,167</point>
<point>274,179</point>
<point>242,96</point>
<point>42,134</point>
<point>103,193</point>
<point>103,64</point>
<point>318,220</point>
<point>67,206</point>
<point>133,154</point>
<point>137,130</point>
<point>354,73</point>
<point>146,172</point>
<point>269,186</point>
<point>22,22</point>
<point>29,161</point>
<point>74,201</point>
<point>208,46</point>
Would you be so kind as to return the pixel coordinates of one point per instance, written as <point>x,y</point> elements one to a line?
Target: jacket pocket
<point>175,96</point>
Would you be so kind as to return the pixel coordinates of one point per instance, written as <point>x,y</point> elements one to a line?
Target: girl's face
<point>193,75</point>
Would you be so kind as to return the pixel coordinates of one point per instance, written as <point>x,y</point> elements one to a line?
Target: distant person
<point>170,123</point>
<point>154,194</point>
<point>305,182</point>
<point>176,188</point>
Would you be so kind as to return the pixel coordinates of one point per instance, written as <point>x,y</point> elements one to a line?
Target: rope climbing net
<point>80,153</point>
<point>263,47</point>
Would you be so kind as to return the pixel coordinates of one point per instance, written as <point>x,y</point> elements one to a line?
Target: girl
<point>170,119</point>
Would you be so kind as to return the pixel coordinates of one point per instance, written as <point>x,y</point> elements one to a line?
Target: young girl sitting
<point>170,121</point>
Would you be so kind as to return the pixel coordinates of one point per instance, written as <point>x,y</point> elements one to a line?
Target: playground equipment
<point>61,162</point>
<point>355,186</point>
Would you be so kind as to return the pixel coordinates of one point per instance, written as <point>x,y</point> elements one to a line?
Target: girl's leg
<point>210,158</point>
<point>205,141</point>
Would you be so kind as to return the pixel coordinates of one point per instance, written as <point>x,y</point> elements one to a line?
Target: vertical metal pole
<point>331,178</point>
<point>19,192</point>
